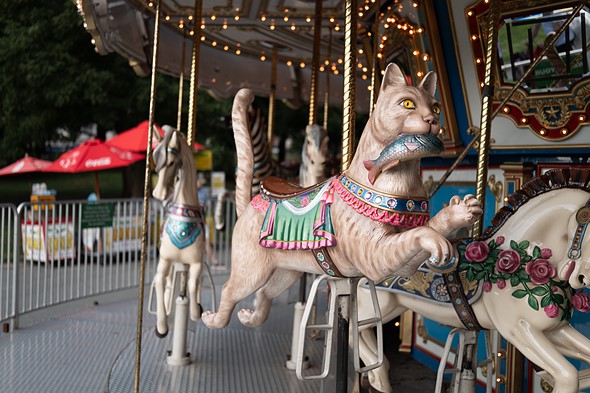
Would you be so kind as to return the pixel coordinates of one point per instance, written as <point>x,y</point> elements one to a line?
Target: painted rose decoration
<point>530,276</point>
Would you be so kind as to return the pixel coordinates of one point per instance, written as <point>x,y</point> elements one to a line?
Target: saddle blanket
<point>430,286</point>
<point>302,222</point>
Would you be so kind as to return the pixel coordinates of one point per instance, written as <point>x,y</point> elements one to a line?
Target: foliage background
<point>51,77</point>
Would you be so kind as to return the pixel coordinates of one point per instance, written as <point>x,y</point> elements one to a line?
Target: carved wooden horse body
<point>183,236</point>
<point>375,239</point>
<point>528,267</point>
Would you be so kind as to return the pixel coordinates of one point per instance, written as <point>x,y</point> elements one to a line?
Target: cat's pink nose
<point>430,119</point>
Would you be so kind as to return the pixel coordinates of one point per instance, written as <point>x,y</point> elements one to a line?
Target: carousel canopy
<point>239,37</point>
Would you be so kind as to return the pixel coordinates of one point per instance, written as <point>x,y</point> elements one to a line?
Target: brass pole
<point>315,63</point>
<point>349,114</point>
<point>181,85</point>
<point>327,92</point>
<point>486,109</point>
<point>374,66</point>
<point>273,93</point>
<point>194,87</point>
<point>146,197</point>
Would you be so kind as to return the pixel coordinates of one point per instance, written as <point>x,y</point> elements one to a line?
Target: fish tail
<point>373,170</point>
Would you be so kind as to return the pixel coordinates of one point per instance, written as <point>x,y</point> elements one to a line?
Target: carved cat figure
<point>374,239</point>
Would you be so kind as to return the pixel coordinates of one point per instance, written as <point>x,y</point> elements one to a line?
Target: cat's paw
<point>462,213</point>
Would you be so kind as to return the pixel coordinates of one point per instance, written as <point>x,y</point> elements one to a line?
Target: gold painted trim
<point>406,331</point>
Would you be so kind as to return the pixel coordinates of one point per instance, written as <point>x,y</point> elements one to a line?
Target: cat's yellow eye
<point>409,104</point>
<point>436,109</point>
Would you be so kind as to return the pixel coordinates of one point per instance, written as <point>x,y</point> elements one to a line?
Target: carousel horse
<point>369,221</point>
<point>183,235</point>
<point>523,277</point>
<point>314,156</point>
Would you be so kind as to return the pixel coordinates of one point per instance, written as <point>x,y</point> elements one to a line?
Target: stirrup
<point>339,287</point>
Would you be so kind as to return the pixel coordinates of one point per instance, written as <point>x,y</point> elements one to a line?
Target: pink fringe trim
<point>405,220</point>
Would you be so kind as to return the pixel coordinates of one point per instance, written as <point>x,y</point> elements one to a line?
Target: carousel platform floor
<point>89,347</point>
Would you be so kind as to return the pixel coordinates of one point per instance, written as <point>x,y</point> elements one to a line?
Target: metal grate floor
<point>92,350</point>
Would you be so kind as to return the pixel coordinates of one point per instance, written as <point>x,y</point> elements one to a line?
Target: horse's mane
<point>555,179</point>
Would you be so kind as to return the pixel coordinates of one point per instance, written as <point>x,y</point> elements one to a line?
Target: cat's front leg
<point>460,213</point>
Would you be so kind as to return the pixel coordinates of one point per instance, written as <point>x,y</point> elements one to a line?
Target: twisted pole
<point>146,198</point>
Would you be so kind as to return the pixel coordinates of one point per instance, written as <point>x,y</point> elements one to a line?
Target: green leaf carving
<point>539,291</point>
<point>519,294</point>
<point>534,303</point>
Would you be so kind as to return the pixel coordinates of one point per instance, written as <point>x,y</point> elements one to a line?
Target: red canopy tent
<point>135,139</point>
<point>93,156</point>
<point>25,165</point>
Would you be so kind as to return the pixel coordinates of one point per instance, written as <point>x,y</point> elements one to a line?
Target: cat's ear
<point>429,83</point>
<point>394,76</point>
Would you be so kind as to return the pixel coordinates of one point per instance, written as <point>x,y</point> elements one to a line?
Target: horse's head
<point>314,155</point>
<point>167,161</point>
<point>552,212</point>
<point>575,267</point>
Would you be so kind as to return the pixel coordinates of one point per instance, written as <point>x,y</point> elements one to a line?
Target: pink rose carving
<point>581,301</point>
<point>477,251</point>
<point>487,286</point>
<point>500,240</point>
<point>552,310</point>
<point>508,261</point>
<point>546,253</point>
<point>501,283</point>
<point>305,201</point>
<point>540,271</point>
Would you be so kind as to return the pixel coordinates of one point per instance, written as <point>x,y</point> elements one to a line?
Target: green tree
<point>51,77</point>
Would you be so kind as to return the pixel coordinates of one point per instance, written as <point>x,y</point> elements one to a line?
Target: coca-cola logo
<point>99,162</point>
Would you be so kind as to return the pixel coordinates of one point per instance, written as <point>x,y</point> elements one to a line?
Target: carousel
<point>458,212</point>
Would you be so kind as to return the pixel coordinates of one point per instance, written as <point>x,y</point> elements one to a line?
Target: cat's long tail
<point>242,102</point>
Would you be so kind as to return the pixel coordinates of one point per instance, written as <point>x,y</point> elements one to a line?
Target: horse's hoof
<point>160,335</point>
<point>196,314</point>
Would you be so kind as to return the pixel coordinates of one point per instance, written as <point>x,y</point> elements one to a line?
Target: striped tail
<point>242,137</point>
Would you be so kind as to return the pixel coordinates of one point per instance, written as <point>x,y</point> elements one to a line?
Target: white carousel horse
<point>183,235</point>
<point>314,156</point>
<point>526,268</point>
<point>378,215</point>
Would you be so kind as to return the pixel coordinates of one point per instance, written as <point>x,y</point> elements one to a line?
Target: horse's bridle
<point>583,219</point>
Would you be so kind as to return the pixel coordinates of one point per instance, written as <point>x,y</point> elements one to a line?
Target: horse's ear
<point>156,134</point>
<point>394,76</point>
<point>429,83</point>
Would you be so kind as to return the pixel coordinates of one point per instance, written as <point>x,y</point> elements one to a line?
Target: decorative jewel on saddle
<point>183,225</point>
<point>406,212</point>
<point>583,218</point>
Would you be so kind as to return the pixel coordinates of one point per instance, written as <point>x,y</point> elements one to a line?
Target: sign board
<point>217,183</point>
<point>48,241</point>
<point>97,215</point>
<point>204,160</point>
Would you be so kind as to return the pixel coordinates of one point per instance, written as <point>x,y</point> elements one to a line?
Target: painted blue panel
<point>446,192</point>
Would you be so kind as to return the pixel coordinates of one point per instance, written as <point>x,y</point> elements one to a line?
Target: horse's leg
<point>390,308</point>
<point>574,344</point>
<point>239,286</point>
<point>539,349</point>
<point>160,279</point>
<point>278,282</point>
<point>194,279</point>
<point>379,377</point>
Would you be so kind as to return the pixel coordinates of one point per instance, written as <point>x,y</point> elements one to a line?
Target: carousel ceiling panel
<point>238,41</point>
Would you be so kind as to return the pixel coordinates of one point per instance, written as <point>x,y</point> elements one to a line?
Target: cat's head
<point>405,109</point>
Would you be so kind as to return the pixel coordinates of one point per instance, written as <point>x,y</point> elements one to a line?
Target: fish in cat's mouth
<point>406,147</point>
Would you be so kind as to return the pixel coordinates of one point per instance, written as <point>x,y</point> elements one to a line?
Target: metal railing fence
<point>55,252</point>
